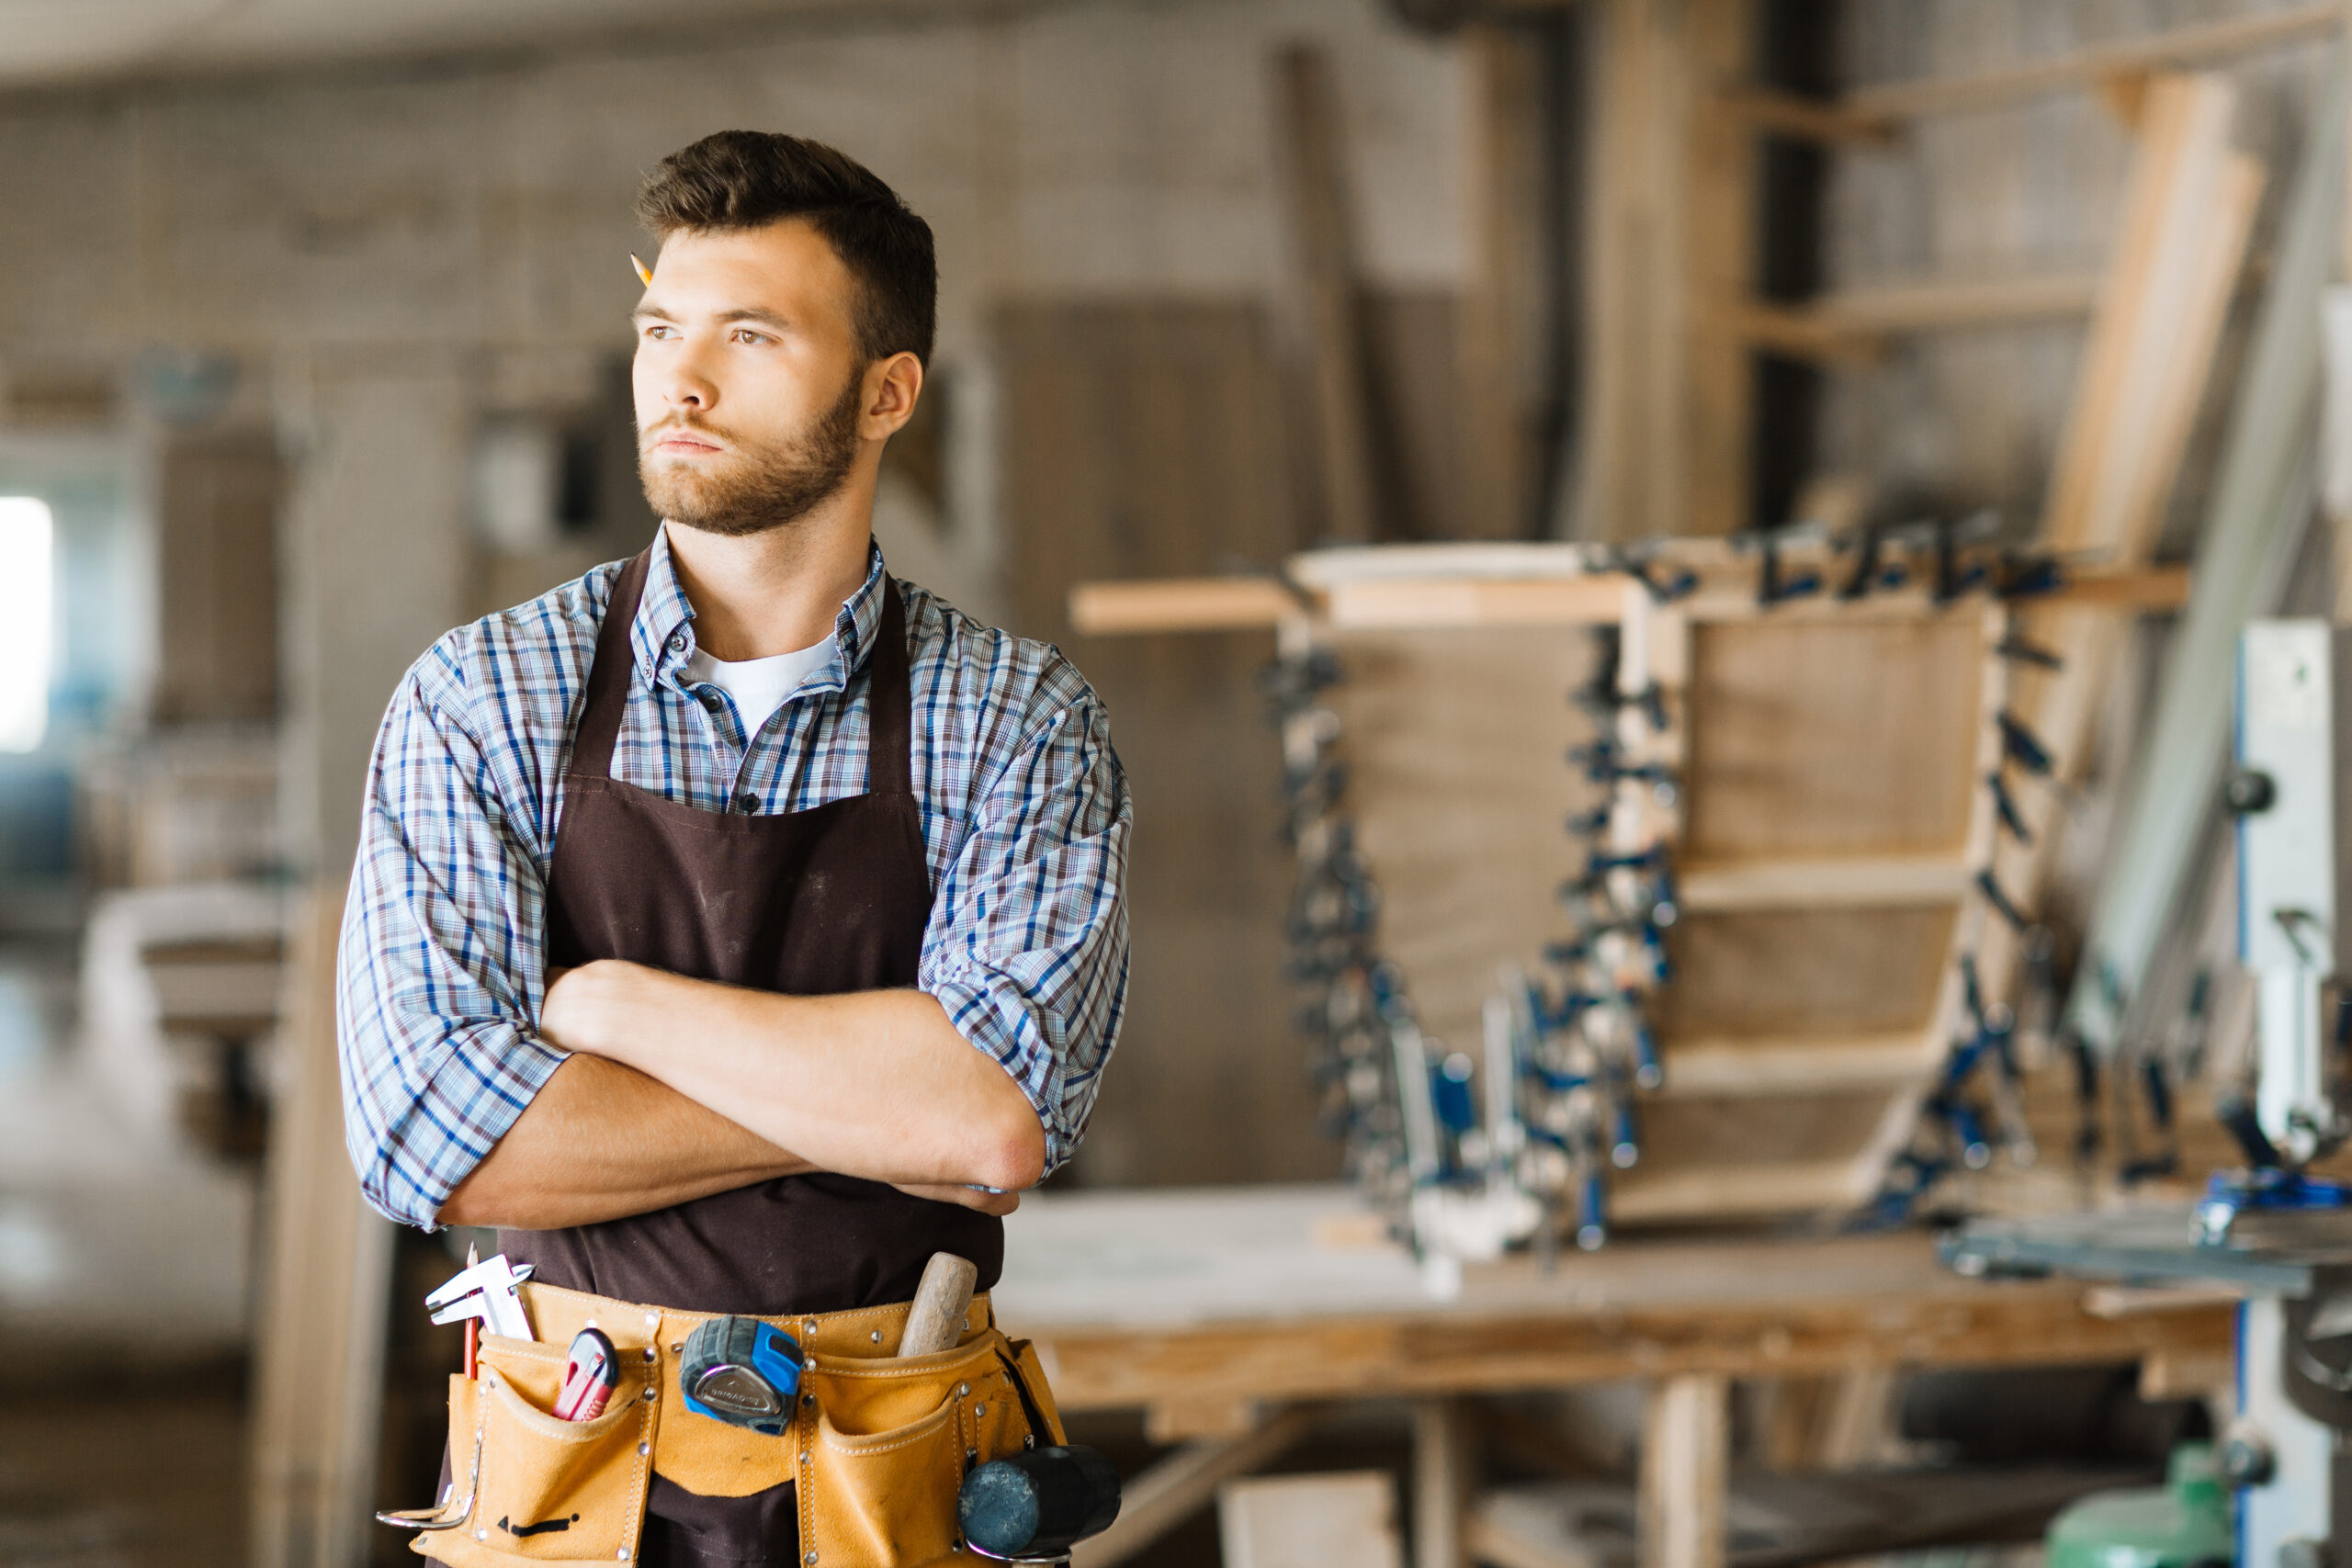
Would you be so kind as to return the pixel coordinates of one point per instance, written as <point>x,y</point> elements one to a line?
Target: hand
<point>987,1203</point>
<point>579,1001</point>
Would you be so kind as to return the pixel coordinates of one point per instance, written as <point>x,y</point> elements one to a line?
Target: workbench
<point>1229,1316</point>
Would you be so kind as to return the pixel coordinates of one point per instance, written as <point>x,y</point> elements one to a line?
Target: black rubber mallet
<point>1034,1507</point>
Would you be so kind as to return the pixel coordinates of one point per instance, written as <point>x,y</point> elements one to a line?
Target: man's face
<point>748,378</point>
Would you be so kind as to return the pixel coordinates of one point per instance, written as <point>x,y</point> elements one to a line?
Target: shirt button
<point>709,700</point>
<point>677,642</point>
<point>749,801</point>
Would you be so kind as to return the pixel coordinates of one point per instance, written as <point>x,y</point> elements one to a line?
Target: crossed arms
<point>678,1088</point>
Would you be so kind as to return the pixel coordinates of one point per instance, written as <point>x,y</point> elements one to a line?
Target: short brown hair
<point>747,179</point>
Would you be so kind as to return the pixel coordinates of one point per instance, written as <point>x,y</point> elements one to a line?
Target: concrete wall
<point>390,253</point>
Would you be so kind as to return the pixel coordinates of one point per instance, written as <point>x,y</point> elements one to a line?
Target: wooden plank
<point>1685,1473</point>
<point>1373,1355</point>
<point>1828,882</point>
<point>1733,1191</point>
<point>1823,740</point>
<point>324,1291</point>
<point>1444,1471</point>
<point>1717,184</point>
<point>1597,600</point>
<point>1321,231</point>
<point>1311,1521</point>
<point>1179,604</point>
<point>1480,722</point>
<point>1848,326</point>
<point>1699,1068</point>
<point>1824,973</point>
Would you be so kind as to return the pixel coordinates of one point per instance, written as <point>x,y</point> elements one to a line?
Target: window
<point>26,591</point>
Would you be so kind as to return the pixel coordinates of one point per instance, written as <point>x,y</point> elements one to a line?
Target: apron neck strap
<point>889,689</point>
<point>889,700</point>
<point>600,718</point>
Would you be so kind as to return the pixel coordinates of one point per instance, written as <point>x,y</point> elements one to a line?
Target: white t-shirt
<point>758,685</point>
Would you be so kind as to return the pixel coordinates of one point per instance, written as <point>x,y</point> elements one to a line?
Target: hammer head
<point>1038,1504</point>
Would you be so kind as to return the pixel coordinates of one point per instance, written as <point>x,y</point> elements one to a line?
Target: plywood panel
<point>1456,741</point>
<point>1819,972</point>
<point>1815,738</point>
<point>1143,437</point>
<point>217,513</point>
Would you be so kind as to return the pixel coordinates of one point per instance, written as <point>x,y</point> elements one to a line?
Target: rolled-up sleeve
<point>1027,945</point>
<point>440,963</point>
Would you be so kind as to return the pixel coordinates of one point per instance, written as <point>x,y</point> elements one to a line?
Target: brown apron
<point>831,899</point>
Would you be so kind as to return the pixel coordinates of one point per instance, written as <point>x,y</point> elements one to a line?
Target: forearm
<point>601,1141</point>
<point>872,1084</point>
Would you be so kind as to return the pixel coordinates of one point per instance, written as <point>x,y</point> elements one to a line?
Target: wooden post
<point>1686,1463</point>
<point>1441,1482</point>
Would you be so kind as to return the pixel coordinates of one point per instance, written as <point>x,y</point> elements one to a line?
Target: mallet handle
<point>935,1322</point>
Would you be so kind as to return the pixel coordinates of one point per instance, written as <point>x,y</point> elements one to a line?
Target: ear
<point>892,386</point>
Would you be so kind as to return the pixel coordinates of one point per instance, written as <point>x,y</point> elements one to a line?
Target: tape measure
<point>741,1371</point>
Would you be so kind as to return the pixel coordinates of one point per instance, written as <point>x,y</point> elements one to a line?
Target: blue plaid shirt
<point>1025,817</point>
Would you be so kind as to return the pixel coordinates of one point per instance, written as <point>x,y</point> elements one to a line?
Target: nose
<point>685,385</point>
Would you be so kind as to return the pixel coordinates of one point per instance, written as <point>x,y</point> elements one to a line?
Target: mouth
<point>684,443</point>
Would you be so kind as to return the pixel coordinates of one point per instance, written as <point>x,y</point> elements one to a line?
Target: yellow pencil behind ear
<point>644,273</point>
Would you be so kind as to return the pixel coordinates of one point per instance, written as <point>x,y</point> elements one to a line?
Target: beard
<point>765,486</point>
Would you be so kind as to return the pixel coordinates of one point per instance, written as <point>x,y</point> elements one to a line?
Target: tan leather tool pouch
<point>541,1489</point>
<point>879,1445</point>
<point>887,1444</point>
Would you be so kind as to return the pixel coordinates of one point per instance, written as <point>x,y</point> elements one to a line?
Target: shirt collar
<point>661,640</point>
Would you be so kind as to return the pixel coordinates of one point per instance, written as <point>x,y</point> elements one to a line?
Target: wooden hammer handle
<point>935,1322</point>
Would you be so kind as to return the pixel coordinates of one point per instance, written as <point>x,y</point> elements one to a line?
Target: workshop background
<point>312,346</point>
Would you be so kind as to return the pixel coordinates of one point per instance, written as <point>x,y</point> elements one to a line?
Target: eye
<point>745,335</point>
<point>656,329</point>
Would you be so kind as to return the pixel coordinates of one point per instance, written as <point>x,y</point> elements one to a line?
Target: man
<point>736,927</point>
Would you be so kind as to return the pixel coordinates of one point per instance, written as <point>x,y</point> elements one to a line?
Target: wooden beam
<point>1374,603</point>
<point>1322,239</point>
<point>1685,1473</point>
<point>1852,325</point>
<point>1643,1197</point>
<point>1780,113</point>
<point>1180,603</point>
<point>1377,1354</point>
<point>1444,1465</point>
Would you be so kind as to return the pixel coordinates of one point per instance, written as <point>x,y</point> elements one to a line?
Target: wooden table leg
<point>1686,1464</point>
<point>1442,1462</point>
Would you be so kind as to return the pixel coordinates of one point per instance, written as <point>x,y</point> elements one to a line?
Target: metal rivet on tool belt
<point>812,1329</point>
<point>808,1399</point>
<point>644,1449</point>
<point>650,1352</point>
<point>962,1389</point>
<point>650,1391</point>
<point>678,1349</point>
<point>624,1553</point>
<point>481,1535</point>
<point>875,1336</point>
<point>979,1411</point>
<point>803,1456</point>
<point>811,1557</point>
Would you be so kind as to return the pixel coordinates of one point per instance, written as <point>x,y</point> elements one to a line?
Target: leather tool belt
<point>878,1446</point>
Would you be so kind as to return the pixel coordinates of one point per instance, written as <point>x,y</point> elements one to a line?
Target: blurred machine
<point>2279,1234</point>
